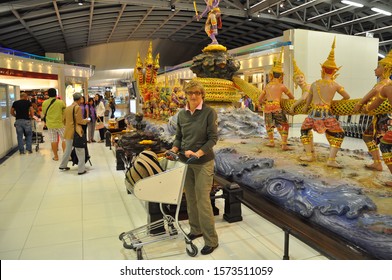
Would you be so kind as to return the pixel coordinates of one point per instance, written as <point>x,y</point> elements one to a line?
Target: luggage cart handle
<point>170,155</point>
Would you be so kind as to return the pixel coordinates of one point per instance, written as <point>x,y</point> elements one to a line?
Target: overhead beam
<point>17,15</point>
<point>60,23</point>
<point>123,6</point>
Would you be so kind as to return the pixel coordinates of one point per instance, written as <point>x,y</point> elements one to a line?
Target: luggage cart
<point>150,189</point>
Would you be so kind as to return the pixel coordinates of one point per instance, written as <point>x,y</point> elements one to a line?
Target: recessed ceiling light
<point>352,3</point>
<point>380,11</point>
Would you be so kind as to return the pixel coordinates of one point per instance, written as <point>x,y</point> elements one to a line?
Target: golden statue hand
<point>357,107</point>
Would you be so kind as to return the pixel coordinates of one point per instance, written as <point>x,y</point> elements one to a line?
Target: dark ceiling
<point>40,26</point>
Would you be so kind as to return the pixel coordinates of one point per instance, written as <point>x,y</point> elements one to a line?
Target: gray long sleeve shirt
<point>197,131</point>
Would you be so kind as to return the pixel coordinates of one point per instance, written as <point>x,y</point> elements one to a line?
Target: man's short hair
<point>194,84</point>
<point>52,92</point>
<point>77,96</point>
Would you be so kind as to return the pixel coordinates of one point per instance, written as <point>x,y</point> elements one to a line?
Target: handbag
<point>78,141</point>
<point>99,125</point>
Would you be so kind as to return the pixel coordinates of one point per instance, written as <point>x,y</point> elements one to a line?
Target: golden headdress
<point>139,63</point>
<point>156,62</point>
<point>387,61</point>
<point>148,61</point>
<point>330,62</point>
<point>138,68</point>
<point>277,67</point>
<point>297,72</point>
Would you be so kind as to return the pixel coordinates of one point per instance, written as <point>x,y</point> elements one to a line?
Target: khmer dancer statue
<point>271,97</point>
<point>214,19</point>
<point>379,125</point>
<point>386,140</point>
<point>299,81</point>
<point>320,118</point>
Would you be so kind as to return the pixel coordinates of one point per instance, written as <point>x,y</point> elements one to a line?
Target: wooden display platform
<point>324,241</point>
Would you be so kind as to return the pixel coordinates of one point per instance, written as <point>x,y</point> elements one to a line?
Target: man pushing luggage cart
<point>150,189</point>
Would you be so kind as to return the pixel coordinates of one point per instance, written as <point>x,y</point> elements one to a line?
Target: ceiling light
<point>381,55</point>
<point>382,43</point>
<point>354,20</point>
<point>249,18</point>
<point>328,13</point>
<point>258,3</point>
<point>375,30</point>
<point>352,3</point>
<point>298,7</point>
<point>377,10</point>
<point>172,8</point>
<point>80,2</point>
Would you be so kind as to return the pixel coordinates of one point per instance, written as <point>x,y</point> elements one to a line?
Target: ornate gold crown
<point>277,67</point>
<point>387,61</point>
<point>156,62</point>
<point>297,71</point>
<point>330,62</point>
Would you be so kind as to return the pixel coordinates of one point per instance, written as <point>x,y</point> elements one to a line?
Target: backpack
<point>144,165</point>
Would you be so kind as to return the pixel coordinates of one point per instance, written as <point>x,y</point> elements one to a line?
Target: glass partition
<point>7,97</point>
<point>3,101</point>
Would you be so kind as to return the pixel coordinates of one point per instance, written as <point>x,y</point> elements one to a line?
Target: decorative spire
<point>277,67</point>
<point>297,71</point>
<point>149,60</point>
<point>139,63</point>
<point>156,62</point>
<point>330,62</point>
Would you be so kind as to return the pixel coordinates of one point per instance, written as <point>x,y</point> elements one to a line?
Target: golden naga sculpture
<point>221,90</point>
<point>340,108</point>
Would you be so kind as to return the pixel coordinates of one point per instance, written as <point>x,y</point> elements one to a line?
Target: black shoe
<point>22,153</point>
<point>64,168</point>
<point>208,250</point>
<point>81,173</point>
<point>192,236</point>
<point>30,151</point>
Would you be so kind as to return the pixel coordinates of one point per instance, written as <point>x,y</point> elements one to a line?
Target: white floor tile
<point>16,220</point>
<point>244,249</point>
<point>53,234</point>
<point>107,248</point>
<point>60,201</point>
<point>101,197</point>
<point>13,239</point>
<point>58,215</point>
<point>102,210</point>
<point>66,251</point>
<point>20,204</point>
<point>257,226</point>
<point>10,255</point>
<point>106,227</point>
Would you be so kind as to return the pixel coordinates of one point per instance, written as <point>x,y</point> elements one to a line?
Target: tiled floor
<point>57,215</point>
